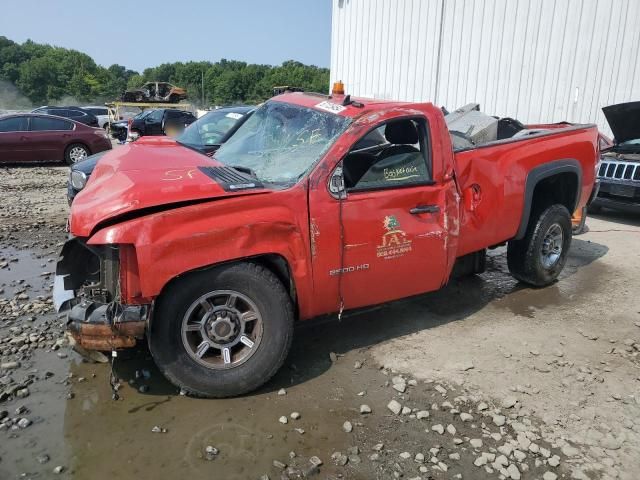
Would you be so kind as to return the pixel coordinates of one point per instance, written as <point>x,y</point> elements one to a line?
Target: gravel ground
<point>484,379</point>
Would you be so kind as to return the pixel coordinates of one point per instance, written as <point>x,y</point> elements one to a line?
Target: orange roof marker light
<point>338,88</point>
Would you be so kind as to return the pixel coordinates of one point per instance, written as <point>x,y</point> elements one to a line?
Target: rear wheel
<point>222,332</point>
<point>75,152</point>
<point>540,256</point>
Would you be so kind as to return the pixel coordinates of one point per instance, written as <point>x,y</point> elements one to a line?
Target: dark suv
<point>619,171</point>
<point>158,121</point>
<point>205,135</point>
<point>74,113</point>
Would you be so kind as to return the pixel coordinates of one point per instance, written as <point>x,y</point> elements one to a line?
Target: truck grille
<point>619,170</point>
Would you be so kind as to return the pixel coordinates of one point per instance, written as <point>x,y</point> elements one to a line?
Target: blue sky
<point>167,31</point>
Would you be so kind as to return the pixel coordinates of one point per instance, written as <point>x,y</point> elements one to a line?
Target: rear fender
<point>539,173</point>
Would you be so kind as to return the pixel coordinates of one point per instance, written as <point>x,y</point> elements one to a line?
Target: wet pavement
<point>78,425</point>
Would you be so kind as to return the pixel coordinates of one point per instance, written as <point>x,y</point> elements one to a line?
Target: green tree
<point>47,74</point>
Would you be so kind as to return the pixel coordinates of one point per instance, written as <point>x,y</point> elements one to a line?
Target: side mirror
<point>336,184</point>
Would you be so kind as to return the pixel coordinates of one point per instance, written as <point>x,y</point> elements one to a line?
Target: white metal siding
<point>535,60</point>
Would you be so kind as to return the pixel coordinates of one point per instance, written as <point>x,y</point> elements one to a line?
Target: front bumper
<point>619,195</point>
<point>98,326</point>
<point>83,287</point>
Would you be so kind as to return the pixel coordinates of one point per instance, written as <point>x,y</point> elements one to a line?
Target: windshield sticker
<point>234,115</point>
<point>394,241</point>
<point>330,107</point>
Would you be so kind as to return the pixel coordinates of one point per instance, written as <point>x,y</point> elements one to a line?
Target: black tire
<point>524,257</point>
<point>70,153</point>
<point>274,305</point>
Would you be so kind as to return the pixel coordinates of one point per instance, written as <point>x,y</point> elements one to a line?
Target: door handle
<point>23,137</point>
<point>424,209</point>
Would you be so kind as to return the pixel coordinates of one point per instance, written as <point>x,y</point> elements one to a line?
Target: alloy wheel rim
<point>552,246</point>
<point>222,329</point>
<point>77,153</point>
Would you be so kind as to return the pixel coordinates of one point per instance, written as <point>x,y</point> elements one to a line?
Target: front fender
<point>170,243</point>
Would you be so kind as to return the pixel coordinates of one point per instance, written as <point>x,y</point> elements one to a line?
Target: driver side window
<point>156,115</point>
<point>394,154</point>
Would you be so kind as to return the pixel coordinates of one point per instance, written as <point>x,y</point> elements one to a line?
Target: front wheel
<point>540,256</point>
<point>222,332</point>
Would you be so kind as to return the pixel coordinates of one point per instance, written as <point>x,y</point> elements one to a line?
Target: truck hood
<point>624,120</point>
<point>149,175</point>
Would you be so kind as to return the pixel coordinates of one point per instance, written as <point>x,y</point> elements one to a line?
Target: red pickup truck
<point>317,204</point>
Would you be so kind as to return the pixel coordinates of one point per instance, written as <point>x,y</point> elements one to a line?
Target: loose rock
<point>394,406</point>
<point>438,429</point>
<point>476,442</point>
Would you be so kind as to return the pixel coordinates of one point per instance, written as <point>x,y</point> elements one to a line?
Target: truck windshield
<point>281,141</point>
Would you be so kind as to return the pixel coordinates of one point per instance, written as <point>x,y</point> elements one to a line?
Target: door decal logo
<point>400,173</point>
<point>394,241</point>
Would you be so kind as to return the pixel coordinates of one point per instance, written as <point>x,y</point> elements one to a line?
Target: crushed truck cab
<point>315,205</point>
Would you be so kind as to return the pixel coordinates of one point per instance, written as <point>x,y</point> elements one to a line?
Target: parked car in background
<point>101,114</point>
<point>155,92</point>
<point>157,121</point>
<point>79,174</point>
<point>619,171</point>
<point>205,135</point>
<point>74,113</point>
<point>30,137</point>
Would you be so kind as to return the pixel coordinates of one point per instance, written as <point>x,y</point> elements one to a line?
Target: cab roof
<point>334,104</point>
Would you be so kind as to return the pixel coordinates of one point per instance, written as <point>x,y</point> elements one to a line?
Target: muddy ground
<point>491,380</point>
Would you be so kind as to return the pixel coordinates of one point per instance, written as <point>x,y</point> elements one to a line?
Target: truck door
<point>393,223</point>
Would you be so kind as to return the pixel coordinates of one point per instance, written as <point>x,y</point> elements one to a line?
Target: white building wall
<point>535,60</point>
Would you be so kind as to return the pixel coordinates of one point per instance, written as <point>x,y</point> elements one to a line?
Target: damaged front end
<point>88,286</point>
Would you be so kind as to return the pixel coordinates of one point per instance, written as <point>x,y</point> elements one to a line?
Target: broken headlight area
<point>87,272</point>
<point>87,285</point>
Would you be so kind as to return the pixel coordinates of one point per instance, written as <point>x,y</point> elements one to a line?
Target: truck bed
<point>500,171</point>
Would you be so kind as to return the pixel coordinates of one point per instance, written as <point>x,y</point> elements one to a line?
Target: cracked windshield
<point>281,142</point>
